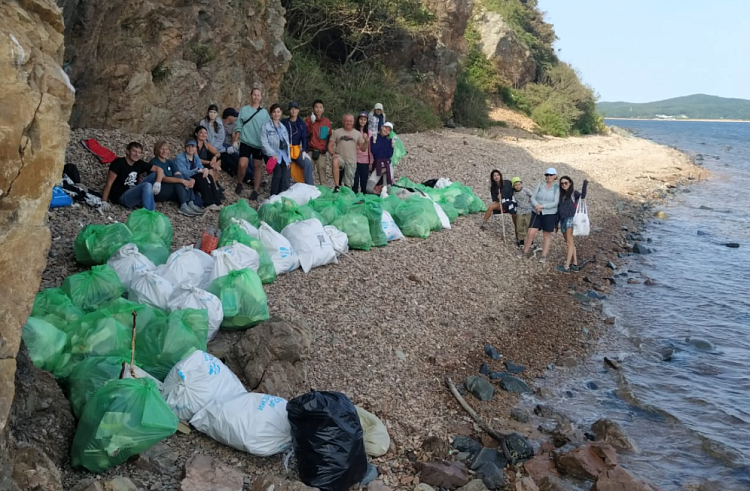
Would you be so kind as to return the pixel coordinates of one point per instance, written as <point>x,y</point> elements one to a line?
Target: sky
<point>650,50</point>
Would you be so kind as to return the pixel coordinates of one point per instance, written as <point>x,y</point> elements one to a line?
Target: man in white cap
<point>377,120</point>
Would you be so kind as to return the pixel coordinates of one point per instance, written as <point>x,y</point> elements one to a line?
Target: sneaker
<point>185,210</point>
<point>254,196</point>
<point>561,268</point>
<point>336,189</point>
<point>483,226</point>
<point>543,260</point>
<point>213,208</point>
<point>520,254</point>
<point>535,248</point>
<point>238,189</point>
<point>195,208</point>
<point>575,268</point>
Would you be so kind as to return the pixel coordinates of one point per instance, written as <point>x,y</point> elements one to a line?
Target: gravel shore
<point>389,324</point>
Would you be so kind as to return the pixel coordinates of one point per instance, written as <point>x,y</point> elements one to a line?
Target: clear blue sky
<point>649,50</point>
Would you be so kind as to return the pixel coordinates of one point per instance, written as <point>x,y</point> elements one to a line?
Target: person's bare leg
<point>241,169</point>
<point>529,239</point>
<point>336,176</point>
<point>487,214</point>
<point>573,246</point>
<point>546,243</point>
<point>570,256</point>
<point>257,174</point>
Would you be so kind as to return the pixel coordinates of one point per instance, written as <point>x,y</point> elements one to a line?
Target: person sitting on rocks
<point>319,131</point>
<point>246,140</point>
<point>545,199</point>
<point>297,130</point>
<point>230,158</point>
<point>209,154</point>
<point>501,191</point>
<point>174,187</point>
<point>214,126</point>
<point>343,146</point>
<point>275,141</point>
<point>566,210</point>
<point>376,120</point>
<point>364,157</point>
<point>126,183</point>
<point>189,166</point>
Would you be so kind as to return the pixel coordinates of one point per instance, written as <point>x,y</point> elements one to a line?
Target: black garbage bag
<point>327,440</point>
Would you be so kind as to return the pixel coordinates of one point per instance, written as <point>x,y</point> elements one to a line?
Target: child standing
<point>523,209</point>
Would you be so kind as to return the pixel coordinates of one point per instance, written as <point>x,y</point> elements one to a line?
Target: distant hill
<point>696,106</point>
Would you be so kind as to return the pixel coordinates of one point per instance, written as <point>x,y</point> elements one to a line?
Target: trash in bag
<point>54,306</point>
<point>232,258</point>
<point>374,214</point>
<point>197,381</point>
<point>122,419</point>
<point>99,333</point>
<point>391,230</point>
<point>389,204</point>
<point>127,261</point>
<point>132,371</point>
<point>399,151</point>
<point>329,208</point>
<point>248,227</point>
<point>152,246</point>
<point>90,375</point>
<point>300,193</point>
<point>311,243</point>
<point>187,266</point>
<point>444,220</point>
<point>46,345</point>
<point>448,208</point>
<point>269,213</point>
<point>251,422</point>
<point>266,269</point>
<point>290,212</point>
<point>90,289</point>
<point>338,238</point>
<point>376,438</point>
<point>191,297</point>
<point>416,217</point>
<point>122,309</point>
<point>167,340</point>
<point>96,243</point>
<point>357,229</point>
<point>143,220</point>
<point>240,210</point>
<point>243,299</point>
<point>279,249</point>
<point>327,438</point>
<point>150,288</point>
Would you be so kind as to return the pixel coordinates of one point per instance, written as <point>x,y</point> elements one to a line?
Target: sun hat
<point>551,170</point>
<point>515,180</point>
<point>379,106</point>
<point>191,142</point>
<point>389,124</point>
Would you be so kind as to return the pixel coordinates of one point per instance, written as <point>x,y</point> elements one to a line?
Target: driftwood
<point>132,348</point>
<point>500,437</point>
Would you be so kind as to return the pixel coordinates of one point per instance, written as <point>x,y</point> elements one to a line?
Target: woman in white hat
<point>377,120</point>
<point>544,199</point>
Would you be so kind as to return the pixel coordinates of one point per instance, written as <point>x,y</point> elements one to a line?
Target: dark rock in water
<point>466,444</point>
<point>639,248</point>
<point>633,281</point>
<point>649,282</point>
<point>492,476</point>
<point>611,363</point>
<point>569,394</point>
<point>485,369</point>
<point>649,240</point>
<point>595,295</point>
<point>611,265</point>
<point>666,353</point>
<point>551,366</point>
<point>581,297</point>
<point>518,447</point>
<point>547,427</point>
<point>611,280</point>
<point>370,475</point>
<point>704,207</point>
<point>622,274</point>
<point>733,245</point>
<point>610,321</point>
<point>480,388</point>
<point>589,436</point>
<point>514,368</point>
<point>701,233</point>
<point>515,385</point>
<point>592,385</point>
<point>520,415</point>
<point>490,351</point>
<point>488,456</point>
<point>700,344</point>
<point>634,271</point>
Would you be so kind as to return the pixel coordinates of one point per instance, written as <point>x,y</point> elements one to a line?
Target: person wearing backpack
<point>275,140</point>
<point>247,131</point>
<point>569,199</point>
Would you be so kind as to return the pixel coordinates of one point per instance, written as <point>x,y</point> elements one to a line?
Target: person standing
<point>174,187</point>
<point>318,131</point>
<point>545,199</point>
<point>343,146</point>
<point>376,120</point>
<point>126,183</point>
<point>566,210</point>
<point>382,151</point>
<point>522,196</point>
<point>246,139</point>
<point>297,130</point>
<point>275,140</point>
<point>364,157</point>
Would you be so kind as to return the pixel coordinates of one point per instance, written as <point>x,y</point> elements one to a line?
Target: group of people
<point>550,206</point>
<point>359,153</point>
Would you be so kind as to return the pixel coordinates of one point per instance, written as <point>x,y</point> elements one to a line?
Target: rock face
<point>202,473</point>
<point>501,45</point>
<point>270,358</point>
<point>155,65</point>
<point>618,479</point>
<point>35,104</point>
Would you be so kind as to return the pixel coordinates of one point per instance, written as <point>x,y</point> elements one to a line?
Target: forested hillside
<point>696,106</point>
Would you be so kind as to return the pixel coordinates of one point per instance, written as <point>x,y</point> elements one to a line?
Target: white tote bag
<point>581,224</point>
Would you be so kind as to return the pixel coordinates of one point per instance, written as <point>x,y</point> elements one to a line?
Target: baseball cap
<point>362,113</point>
<point>389,124</point>
<point>515,180</point>
<point>293,104</point>
<point>551,170</point>
<point>191,142</point>
<point>229,112</point>
<point>379,106</point>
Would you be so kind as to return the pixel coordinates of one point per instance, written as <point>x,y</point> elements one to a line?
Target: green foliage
<point>203,54</point>
<point>161,73</point>
<point>470,106</point>
<point>696,106</point>
<point>477,69</point>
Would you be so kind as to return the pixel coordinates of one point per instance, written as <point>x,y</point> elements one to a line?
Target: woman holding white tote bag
<point>570,201</point>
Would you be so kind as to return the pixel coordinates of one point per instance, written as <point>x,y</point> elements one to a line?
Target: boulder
<point>504,48</point>
<point>519,414</point>
<point>203,472</point>
<point>700,344</point>
<point>487,456</point>
<point>466,444</point>
<point>618,479</point>
<point>32,469</point>
<point>480,388</point>
<point>443,474</point>
<point>514,368</point>
<point>587,461</point>
<point>492,476</point>
<point>552,483</point>
<point>526,484</point>
<point>120,484</point>
<point>611,432</point>
<point>269,482</point>
<point>270,358</point>
<point>518,447</point>
<point>540,466</point>
<point>474,485</point>
<point>514,385</point>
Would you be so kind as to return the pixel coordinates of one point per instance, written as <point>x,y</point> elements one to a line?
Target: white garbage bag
<point>127,261</point>
<point>247,227</point>
<point>191,297</point>
<point>233,257</point>
<point>281,251</point>
<point>300,193</point>
<point>443,183</point>
<point>375,434</point>
<point>392,232</point>
<point>187,266</point>
<point>255,423</point>
<point>151,289</point>
<point>311,243</point>
<point>196,382</point>
<point>340,239</point>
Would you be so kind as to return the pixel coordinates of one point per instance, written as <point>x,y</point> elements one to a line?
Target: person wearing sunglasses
<point>566,210</point>
<point>544,199</point>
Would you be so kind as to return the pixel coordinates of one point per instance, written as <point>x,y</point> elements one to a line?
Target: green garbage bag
<point>329,208</point>
<point>122,419</point>
<point>152,246</point>
<point>90,289</point>
<point>96,243</point>
<point>46,345</point>
<point>242,299</point>
<point>290,212</point>
<point>449,209</point>
<point>167,340</point>
<point>143,220</point>
<point>122,309</point>
<point>357,229</point>
<point>234,232</point>
<point>90,375</point>
<point>399,151</point>
<point>414,218</point>
<point>98,333</point>
<point>269,213</point>
<point>390,203</point>
<point>476,205</point>
<point>240,210</point>
<point>266,271</point>
<point>374,214</point>
<point>54,306</point>
<point>454,195</point>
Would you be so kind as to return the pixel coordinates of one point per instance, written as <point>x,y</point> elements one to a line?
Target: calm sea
<point>689,416</point>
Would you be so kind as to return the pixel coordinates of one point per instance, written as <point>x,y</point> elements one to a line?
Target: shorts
<point>545,222</point>
<point>565,224</point>
<point>509,206</point>
<point>249,152</point>
<point>522,225</point>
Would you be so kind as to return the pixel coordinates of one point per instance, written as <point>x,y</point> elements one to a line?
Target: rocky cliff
<point>155,65</point>
<point>35,104</point>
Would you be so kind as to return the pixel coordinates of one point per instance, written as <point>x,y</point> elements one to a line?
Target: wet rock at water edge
<point>581,297</point>
<point>480,388</point>
<point>661,215</point>
<point>514,368</point>
<point>649,282</point>
<point>700,344</point>
<point>611,432</point>
<point>612,363</point>
<point>490,351</point>
<point>595,295</point>
<point>592,385</point>
<point>634,281</point>
<point>639,248</point>
<point>519,414</point>
<point>487,456</point>
<point>732,245</point>
<point>466,444</point>
<point>667,352</point>
<point>515,385</point>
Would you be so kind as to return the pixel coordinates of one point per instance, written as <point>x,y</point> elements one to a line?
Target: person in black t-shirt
<point>126,184</point>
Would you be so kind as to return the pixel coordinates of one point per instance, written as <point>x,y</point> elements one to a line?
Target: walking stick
<point>502,219</point>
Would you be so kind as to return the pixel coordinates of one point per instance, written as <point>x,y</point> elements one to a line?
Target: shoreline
<point>685,120</point>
